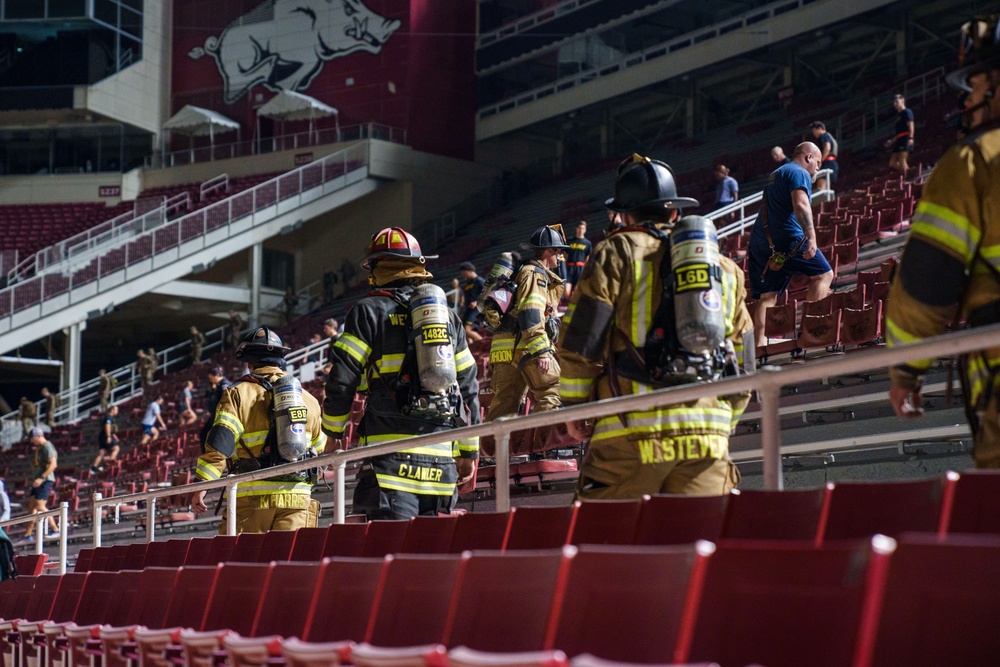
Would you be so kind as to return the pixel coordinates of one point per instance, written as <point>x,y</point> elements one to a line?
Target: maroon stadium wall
<point>394,62</point>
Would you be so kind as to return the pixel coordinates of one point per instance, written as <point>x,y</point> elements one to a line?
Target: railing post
<point>97,520</point>
<point>150,520</point>
<point>502,443</point>
<point>231,509</point>
<point>39,537</point>
<point>340,492</point>
<point>63,535</point>
<point>770,429</point>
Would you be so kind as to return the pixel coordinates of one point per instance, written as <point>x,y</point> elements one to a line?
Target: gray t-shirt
<point>42,456</point>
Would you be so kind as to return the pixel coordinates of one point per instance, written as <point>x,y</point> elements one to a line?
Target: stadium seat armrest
<point>425,655</point>
<point>462,656</point>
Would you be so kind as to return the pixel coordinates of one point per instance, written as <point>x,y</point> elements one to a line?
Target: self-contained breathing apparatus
<point>287,438</point>
<point>498,295</point>
<point>686,341</point>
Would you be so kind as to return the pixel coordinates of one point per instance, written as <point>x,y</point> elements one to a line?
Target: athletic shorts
<point>469,316</point>
<point>41,492</point>
<point>902,145</point>
<point>833,166</point>
<point>107,446</point>
<point>573,274</point>
<point>777,281</point>
<point>148,430</point>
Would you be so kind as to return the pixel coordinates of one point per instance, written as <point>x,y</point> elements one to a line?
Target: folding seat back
<point>858,327</point>
<point>277,546</point>
<point>822,307</point>
<point>941,602</point>
<point>247,549</point>
<point>774,515</point>
<point>103,594</point>
<point>678,519</point>
<point>626,603</point>
<point>308,544</point>
<point>68,596</point>
<point>135,556</point>
<point>820,331</point>
<point>516,586</point>
<point>192,591</point>
<point>30,564</point>
<point>345,593</point>
<point>852,298</point>
<point>288,592</point>
<point>880,292</point>
<point>99,561</point>
<point>236,597</point>
<point>210,551</point>
<point>83,560</point>
<point>480,530</point>
<point>429,534</point>
<point>156,554</point>
<point>149,608</point>
<point>539,527</point>
<point>15,595</point>
<point>605,521</point>
<point>413,599</point>
<point>345,540</point>
<point>779,321</point>
<point>42,596</point>
<point>862,509</point>
<point>971,502</point>
<point>383,538</point>
<point>785,604</point>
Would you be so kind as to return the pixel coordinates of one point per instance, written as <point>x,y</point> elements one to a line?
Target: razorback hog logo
<point>282,44</point>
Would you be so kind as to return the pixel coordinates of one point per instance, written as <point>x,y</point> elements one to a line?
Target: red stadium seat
<point>480,530</point>
<point>345,540</point>
<point>862,509</point>
<point>538,527</point>
<point>970,504</point>
<point>247,549</point>
<point>382,538</point>
<point>779,321</point>
<point>820,331</point>
<point>345,593</point>
<point>309,543</point>
<point>430,534</point>
<point>860,327</point>
<point>678,519</point>
<point>210,550</point>
<point>147,610</point>
<point>792,514</point>
<point>605,521</point>
<point>277,546</point>
<point>414,599</point>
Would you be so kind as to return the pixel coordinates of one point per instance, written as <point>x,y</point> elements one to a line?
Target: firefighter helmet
<point>260,344</point>
<point>394,242</point>
<point>978,50</point>
<point>646,183</point>
<point>546,236</point>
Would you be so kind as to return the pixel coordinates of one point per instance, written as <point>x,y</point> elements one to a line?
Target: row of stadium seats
<point>917,601</point>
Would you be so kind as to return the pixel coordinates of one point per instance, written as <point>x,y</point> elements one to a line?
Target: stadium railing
<point>767,383</point>
<point>61,514</point>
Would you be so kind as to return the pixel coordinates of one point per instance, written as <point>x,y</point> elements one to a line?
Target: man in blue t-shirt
<point>901,144</point>
<point>788,229</point>
<point>472,289</point>
<point>576,257</point>
<point>828,150</point>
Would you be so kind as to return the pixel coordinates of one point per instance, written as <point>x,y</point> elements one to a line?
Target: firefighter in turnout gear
<point>375,355</point>
<point>522,354</point>
<point>604,341</point>
<point>950,268</point>
<point>242,438</point>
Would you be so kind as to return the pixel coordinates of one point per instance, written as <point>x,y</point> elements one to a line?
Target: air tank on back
<point>700,322</point>
<point>291,417</point>
<point>429,316</point>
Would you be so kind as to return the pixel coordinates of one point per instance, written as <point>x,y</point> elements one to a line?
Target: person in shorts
<point>472,288</point>
<point>151,419</point>
<point>43,479</point>
<point>828,150</point>
<point>901,143</point>
<point>107,440</point>
<point>576,257</point>
<point>785,225</point>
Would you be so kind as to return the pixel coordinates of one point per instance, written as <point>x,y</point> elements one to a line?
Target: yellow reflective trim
<point>390,363</point>
<point>895,336</point>
<point>568,315</point>
<point>642,302</point>
<point>505,343</point>
<point>335,422</point>
<point>229,421</point>
<point>318,443</point>
<point>413,486</point>
<point>207,471</point>
<point>532,300</point>
<point>463,360</point>
<point>536,345</point>
<point>575,388</point>
<point>439,450</point>
<point>355,347</point>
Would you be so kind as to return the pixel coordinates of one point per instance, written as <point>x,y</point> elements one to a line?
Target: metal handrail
<point>767,383</point>
<point>39,519</point>
<point>744,220</point>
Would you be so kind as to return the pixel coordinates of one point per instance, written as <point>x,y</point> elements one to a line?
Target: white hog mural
<point>282,44</point>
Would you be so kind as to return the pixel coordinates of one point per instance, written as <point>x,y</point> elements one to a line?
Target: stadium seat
<point>174,553</point>
<point>538,527</point>
<point>345,540</point>
<point>627,603</point>
<point>860,327</point>
<point>971,502</point>
<point>147,610</point>
<point>277,546</point>
<point>100,603</point>
<point>480,530</point>
<point>30,564</point>
<point>588,660</point>
<point>779,321</point>
<point>342,603</point>
<point>185,609</point>
<point>941,602</point>
<point>517,587</point>
<point>430,534</point>
<point>605,521</point>
<point>820,331</point>
<point>792,514</point>
<point>210,550</point>
<point>83,559</point>
<point>247,549</point>
<point>382,538</point>
<point>135,556</point>
<point>678,519</point>
<point>785,604</point>
<point>862,509</point>
<point>308,544</point>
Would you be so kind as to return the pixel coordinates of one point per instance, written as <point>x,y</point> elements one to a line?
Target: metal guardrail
<point>39,520</point>
<point>180,237</point>
<point>745,220</point>
<point>767,383</point>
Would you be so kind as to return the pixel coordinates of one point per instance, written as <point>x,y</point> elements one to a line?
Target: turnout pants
<point>251,518</point>
<point>508,382</point>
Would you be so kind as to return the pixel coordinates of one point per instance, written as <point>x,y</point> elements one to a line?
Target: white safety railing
<point>283,142</point>
<point>743,220</point>
<point>767,383</point>
<point>176,239</point>
<point>40,519</point>
<point>630,60</point>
